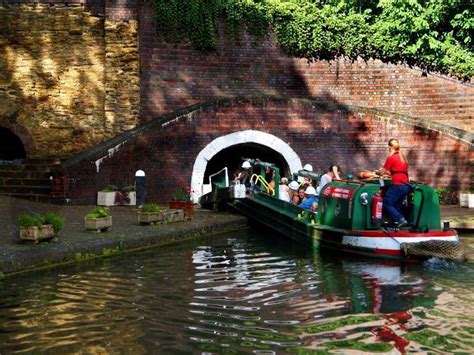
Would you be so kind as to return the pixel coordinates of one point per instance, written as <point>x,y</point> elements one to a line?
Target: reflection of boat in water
<point>386,287</point>
<point>349,218</point>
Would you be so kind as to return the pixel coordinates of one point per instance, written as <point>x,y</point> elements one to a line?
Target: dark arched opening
<point>231,158</point>
<point>11,147</point>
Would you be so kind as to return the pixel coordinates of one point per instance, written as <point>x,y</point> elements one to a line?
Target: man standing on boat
<point>397,166</point>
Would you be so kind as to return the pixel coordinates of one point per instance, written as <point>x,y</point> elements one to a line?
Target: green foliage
<point>127,188</point>
<point>182,194</point>
<point>447,196</point>
<point>28,220</point>
<point>110,188</point>
<point>54,219</point>
<point>98,212</point>
<point>150,208</point>
<point>432,34</point>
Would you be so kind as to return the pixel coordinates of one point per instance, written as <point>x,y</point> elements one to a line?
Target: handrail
<point>264,183</point>
<point>226,176</point>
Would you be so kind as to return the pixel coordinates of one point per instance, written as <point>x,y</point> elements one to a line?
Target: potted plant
<point>99,219</point>
<point>182,200</point>
<point>150,213</point>
<point>38,227</point>
<point>466,198</point>
<point>107,196</point>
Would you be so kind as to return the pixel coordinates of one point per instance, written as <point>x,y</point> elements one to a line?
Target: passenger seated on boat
<point>244,175</point>
<point>300,196</point>
<point>310,199</point>
<point>284,190</point>
<point>333,173</point>
<point>293,193</point>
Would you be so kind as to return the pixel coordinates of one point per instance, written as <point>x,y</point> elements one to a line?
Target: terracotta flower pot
<point>186,206</point>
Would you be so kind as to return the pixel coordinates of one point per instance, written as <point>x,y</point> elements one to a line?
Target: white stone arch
<point>241,137</point>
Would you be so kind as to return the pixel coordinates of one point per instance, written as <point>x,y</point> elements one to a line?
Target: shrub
<point>98,212</point>
<point>182,194</point>
<point>110,188</point>
<point>447,196</point>
<point>54,219</point>
<point>127,188</point>
<point>150,208</point>
<point>28,220</point>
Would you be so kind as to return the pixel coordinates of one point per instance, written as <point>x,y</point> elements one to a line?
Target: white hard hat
<point>246,165</point>
<point>310,190</point>
<point>308,167</point>
<point>294,185</point>
<point>139,173</point>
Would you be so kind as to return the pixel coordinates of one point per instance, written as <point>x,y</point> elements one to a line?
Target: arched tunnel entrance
<point>227,151</point>
<point>11,147</point>
<point>231,158</point>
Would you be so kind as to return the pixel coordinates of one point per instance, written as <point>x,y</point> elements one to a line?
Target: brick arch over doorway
<point>22,133</point>
<point>355,138</point>
<point>232,139</point>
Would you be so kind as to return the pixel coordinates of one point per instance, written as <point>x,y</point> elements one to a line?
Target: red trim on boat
<point>404,234</point>
<point>390,252</point>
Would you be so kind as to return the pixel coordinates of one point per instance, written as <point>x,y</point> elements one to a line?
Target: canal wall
<point>353,137</point>
<point>69,76</point>
<point>75,73</point>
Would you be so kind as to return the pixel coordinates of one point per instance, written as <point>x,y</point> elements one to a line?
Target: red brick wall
<point>174,76</point>
<point>356,139</point>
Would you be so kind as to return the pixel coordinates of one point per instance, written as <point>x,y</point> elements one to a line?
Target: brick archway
<point>22,133</point>
<point>240,137</point>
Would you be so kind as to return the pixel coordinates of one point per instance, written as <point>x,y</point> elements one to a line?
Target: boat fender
<point>377,207</point>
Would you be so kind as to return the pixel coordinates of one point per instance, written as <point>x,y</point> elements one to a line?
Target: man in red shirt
<point>397,166</point>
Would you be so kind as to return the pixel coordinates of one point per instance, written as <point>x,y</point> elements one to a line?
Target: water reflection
<point>239,294</point>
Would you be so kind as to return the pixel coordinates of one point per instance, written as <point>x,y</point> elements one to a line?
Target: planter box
<point>150,217</point>
<point>98,224</point>
<point>106,198</point>
<point>132,195</point>
<point>186,206</point>
<point>466,200</point>
<point>173,215</point>
<point>36,234</point>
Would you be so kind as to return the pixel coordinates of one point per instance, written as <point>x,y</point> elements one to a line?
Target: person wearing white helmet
<point>306,181</point>
<point>246,165</point>
<point>293,192</point>
<point>244,175</point>
<point>311,201</point>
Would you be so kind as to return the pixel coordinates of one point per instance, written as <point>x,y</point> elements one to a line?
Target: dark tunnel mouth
<point>231,157</point>
<point>11,146</point>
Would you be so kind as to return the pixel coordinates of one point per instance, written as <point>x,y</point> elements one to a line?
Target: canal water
<point>249,293</point>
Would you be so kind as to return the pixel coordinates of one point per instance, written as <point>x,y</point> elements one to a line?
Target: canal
<point>239,294</point>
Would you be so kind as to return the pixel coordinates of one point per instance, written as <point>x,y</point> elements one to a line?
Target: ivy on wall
<point>432,34</point>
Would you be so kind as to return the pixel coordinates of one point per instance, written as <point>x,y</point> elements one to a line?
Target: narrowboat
<point>349,218</point>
